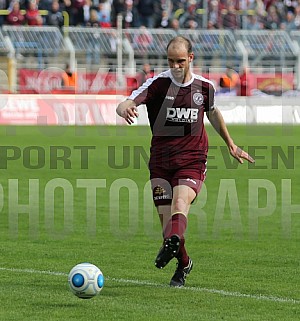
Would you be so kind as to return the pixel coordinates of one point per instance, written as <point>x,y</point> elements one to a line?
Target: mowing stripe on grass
<point>187,288</point>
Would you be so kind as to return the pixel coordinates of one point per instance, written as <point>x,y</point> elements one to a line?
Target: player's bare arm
<point>128,110</point>
<point>216,119</point>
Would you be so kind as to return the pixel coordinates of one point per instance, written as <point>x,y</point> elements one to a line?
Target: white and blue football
<point>86,280</point>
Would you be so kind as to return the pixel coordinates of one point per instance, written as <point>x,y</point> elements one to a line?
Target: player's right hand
<point>130,114</point>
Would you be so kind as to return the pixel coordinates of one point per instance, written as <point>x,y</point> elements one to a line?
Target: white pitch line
<point>32,271</point>
<point>186,288</point>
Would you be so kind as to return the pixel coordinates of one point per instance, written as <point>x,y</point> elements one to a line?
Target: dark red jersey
<point>176,113</point>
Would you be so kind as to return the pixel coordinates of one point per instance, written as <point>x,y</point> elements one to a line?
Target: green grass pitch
<point>81,194</point>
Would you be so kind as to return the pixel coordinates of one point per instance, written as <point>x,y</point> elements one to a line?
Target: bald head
<point>180,41</point>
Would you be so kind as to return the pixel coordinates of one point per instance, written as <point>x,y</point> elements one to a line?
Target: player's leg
<point>176,225</point>
<point>183,196</point>
<point>162,198</point>
<point>186,184</point>
<point>167,250</point>
<point>164,213</point>
<point>189,183</point>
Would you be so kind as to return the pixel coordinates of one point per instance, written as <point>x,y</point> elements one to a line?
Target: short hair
<point>180,39</point>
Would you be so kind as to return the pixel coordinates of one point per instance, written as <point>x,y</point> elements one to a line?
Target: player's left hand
<point>240,154</point>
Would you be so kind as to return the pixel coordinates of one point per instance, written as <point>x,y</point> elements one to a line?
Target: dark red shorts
<point>164,180</point>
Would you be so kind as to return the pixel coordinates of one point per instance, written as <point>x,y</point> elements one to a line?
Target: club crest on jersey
<point>198,99</point>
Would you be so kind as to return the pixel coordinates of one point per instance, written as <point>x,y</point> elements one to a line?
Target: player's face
<point>179,62</point>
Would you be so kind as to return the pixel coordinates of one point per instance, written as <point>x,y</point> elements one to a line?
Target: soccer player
<point>176,101</point>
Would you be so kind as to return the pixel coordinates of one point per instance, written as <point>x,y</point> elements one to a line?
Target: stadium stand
<point>4,48</point>
<point>37,47</point>
<point>93,46</point>
<point>149,45</point>
<point>5,61</point>
<point>214,48</point>
<point>268,49</point>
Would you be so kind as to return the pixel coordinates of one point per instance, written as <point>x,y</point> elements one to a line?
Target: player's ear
<point>191,57</point>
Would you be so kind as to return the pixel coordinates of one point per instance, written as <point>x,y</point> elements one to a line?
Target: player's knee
<point>180,205</point>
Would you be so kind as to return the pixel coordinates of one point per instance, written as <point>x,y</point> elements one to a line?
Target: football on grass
<point>85,280</point>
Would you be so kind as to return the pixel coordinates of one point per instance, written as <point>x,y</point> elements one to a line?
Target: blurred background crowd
<point>176,14</point>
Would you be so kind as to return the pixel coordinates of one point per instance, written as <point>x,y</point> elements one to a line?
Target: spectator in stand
<point>145,10</point>
<point>179,4</point>
<point>127,10</point>
<point>66,5</point>
<point>45,4</point>
<point>213,15</point>
<point>211,25</point>
<point>118,7</point>
<point>191,24</point>
<point>145,74</point>
<point>291,5</point>
<point>174,24</point>
<point>222,5</point>
<point>55,16</point>
<point>4,4</point>
<point>103,15</point>
<point>281,9</point>
<point>269,3</point>
<point>106,5</point>
<point>189,19</point>
<point>230,19</point>
<point>289,24</point>
<point>163,12</point>
<point>272,20</point>
<point>143,39</point>
<point>253,23</point>
<point>79,13</point>
<point>229,81</point>
<point>69,78</point>
<point>93,21</point>
<point>32,16</point>
<point>236,3</point>
<point>129,17</point>
<point>243,90</point>
<point>23,4</point>
<point>259,8</point>
<point>84,13</point>
<point>15,17</point>
<point>297,17</point>
<point>164,20</point>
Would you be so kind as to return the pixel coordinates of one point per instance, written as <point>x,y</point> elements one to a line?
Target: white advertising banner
<point>257,110</point>
<point>60,109</point>
<point>101,110</point>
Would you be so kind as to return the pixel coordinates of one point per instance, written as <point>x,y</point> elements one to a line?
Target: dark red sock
<point>176,225</point>
<point>182,256</point>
